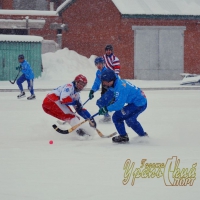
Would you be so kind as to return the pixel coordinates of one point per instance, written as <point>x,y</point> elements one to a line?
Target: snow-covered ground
<point>92,168</point>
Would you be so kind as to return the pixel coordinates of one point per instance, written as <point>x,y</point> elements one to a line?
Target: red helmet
<point>81,78</point>
<point>80,82</point>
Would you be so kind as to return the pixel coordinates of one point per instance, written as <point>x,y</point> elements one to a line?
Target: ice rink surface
<point>92,168</point>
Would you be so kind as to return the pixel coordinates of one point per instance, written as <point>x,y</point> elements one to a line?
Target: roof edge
<point>64,6</point>
<point>20,38</point>
<point>157,16</point>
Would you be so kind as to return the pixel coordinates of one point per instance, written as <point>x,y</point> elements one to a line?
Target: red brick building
<point>149,44</point>
<point>174,38</point>
<point>6,4</point>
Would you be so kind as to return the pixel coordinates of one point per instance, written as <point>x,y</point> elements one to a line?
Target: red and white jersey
<point>112,62</point>
<point>66,93</point>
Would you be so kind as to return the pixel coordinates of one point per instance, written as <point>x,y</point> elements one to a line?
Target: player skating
<point>27,75</point>
<point>57,103</point>
<point>129,103</point>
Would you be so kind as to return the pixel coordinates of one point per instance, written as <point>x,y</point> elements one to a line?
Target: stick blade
<point>59,130</point>
<point>111,135</point>
<point>105,136</point>
<point>12,82</point>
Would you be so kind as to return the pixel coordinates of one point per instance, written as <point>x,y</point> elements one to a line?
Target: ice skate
<point>145,135</point>
<point>120,139</point>
<point>81,132</point>
<point>21,95</point>
<point>105,119</point>
<point>31,97</point>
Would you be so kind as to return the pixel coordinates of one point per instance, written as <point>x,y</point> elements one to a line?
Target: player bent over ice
<point>129,102</point>
<point>57,103</point>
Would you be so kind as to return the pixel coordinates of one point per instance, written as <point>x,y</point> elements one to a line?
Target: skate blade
<point>32,99</point>
<point>105,122</point>
<point>128,142</point>
<point>21,97</point>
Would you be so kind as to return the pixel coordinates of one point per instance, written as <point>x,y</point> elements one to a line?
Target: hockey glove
<point>78,106</point>
<point>18,68</point>
<point>91,94</point>
<point>92,123</point>
<point>103,111</point>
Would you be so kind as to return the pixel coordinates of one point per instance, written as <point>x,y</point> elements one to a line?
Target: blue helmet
<point>99,60</point>
<point>108,75</point>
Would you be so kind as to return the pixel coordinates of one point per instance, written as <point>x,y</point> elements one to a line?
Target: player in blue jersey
<point>129,102</point>
<point>100,64</point>
<point>27,75</point>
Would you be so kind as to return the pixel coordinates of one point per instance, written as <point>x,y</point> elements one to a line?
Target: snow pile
<point>65,64</point>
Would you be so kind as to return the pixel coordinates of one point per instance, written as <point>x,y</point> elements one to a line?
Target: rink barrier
<point>88,89</point>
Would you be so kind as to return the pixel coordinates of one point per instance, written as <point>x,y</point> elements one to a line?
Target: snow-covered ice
<point>92,169</point>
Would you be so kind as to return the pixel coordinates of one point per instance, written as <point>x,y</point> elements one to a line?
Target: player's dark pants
<point>103,90</point>
<point>128,114</point>
<point>21,79</point>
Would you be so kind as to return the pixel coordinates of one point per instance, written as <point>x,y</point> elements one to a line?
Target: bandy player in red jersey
<point>57,103</point>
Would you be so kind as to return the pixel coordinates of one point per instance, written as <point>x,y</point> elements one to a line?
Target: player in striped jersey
<point>111,61</point>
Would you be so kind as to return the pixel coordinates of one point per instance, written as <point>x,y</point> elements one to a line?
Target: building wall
<point>91,25</point>
<point>192,47</point>
<point>7,4</point>
<point>24,4</point>
<point>31,5</point>
<point>99,23</point>
<point>45,32</point>
<point>94,23</point>
<point>191,39</point>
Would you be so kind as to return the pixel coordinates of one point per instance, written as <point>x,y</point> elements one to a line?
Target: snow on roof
<point>63,5</point>
<point>158,7</point>
<point>21,24</point>
<point>28,12</point>
<point>21,20</point>
<point>20,38</point>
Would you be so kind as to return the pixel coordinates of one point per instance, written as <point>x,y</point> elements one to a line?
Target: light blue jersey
<point>97,81</point>
<point>126,93</point>
<point>26,70</point>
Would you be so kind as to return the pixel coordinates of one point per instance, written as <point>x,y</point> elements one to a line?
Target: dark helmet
<point>99,60</point>
<point>108,75</point>
<point>21,56</point>
<point>109,47</point>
